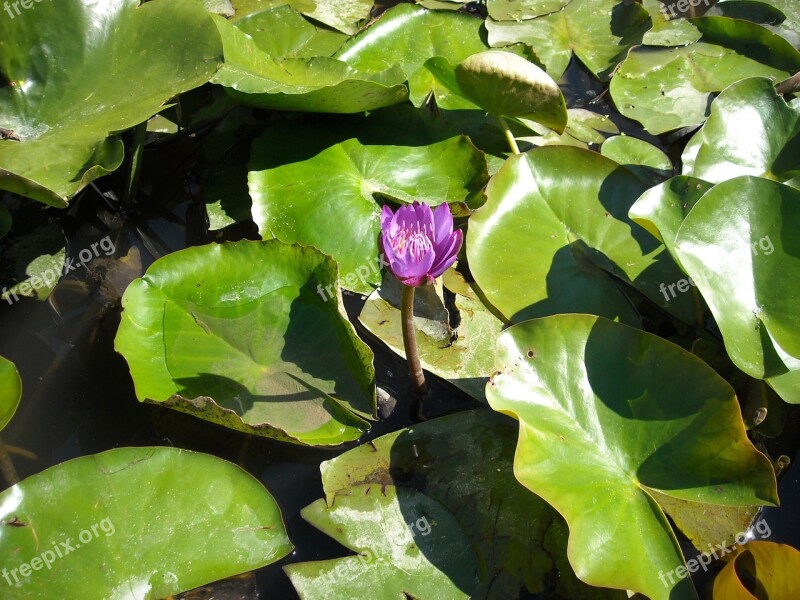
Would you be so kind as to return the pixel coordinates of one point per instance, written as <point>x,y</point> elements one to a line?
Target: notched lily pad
<point>244,334</point>
<point>603,420</point>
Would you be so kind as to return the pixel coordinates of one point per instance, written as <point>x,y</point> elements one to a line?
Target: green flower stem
<point>410,341</point>
<point>509,136</point>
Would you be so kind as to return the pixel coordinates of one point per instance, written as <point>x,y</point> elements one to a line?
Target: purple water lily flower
<point>419,243</point>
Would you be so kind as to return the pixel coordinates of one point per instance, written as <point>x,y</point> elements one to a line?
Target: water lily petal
<point>443,225</point>
<point>449,255</point>
<point>386,218</point>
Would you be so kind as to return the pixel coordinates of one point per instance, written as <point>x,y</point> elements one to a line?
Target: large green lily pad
<point>243,334</point>
<point>599,32</point>
<point>406,36</point>
<point>670,88</point>
<point>68,69</point>
<point>738,245</point>
<point>408,545</point>
<point>520,541</point>
<point>135,523</point>
<point>329,201</point>
<point>554,226</point>
<point>10,391</point>
<point>747,110</point>
<point>604,420</point>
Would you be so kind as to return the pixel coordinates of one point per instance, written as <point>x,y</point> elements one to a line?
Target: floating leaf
<point>553,216</point>
<point>505,85</point>
<point>519,539</point>
<point>70,89</point>
<point>670,88</point>
<point>159,505</point>
<point>737,244</point>
<point>329,201</point>
<point>406,36</point>
<point>244,335</point>
<point>584,127</point>
<point>319,84</point>
<point>599,32</point>
<point>10,391</point>
<point>407,544</point>
<point>748,110</point>
<point>644,159</point>
<point>771,571</point>
<point>603,420</point>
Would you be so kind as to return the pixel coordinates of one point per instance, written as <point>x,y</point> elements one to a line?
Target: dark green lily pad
<point>244,335</point>
<point>159,505</point>
<point>519,539</point>
<point>604,420</point>
<point>70,90</point>
<point>644,159</point>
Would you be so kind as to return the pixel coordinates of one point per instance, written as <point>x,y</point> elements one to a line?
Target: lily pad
<point>670,88</point>
<point>244,335</point>
<point>599,32</point>
<point>343,15</point>
<point>603,420</point>
<point>329,201</point>
<point>520,541</point>
<point>584,127</point>
<point>505,85</point>
<point>645,160</point>
<point>737,244</point>
<point>747,110</point>
<point>408,545</point>
<point>66,92</point>
<point>406,36</point>
<point>10,391</point>
<point>55,545</point>
<point>462,356</point>
<point>547,239</point>
<point>318,84</point>
<point>770,570</point>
